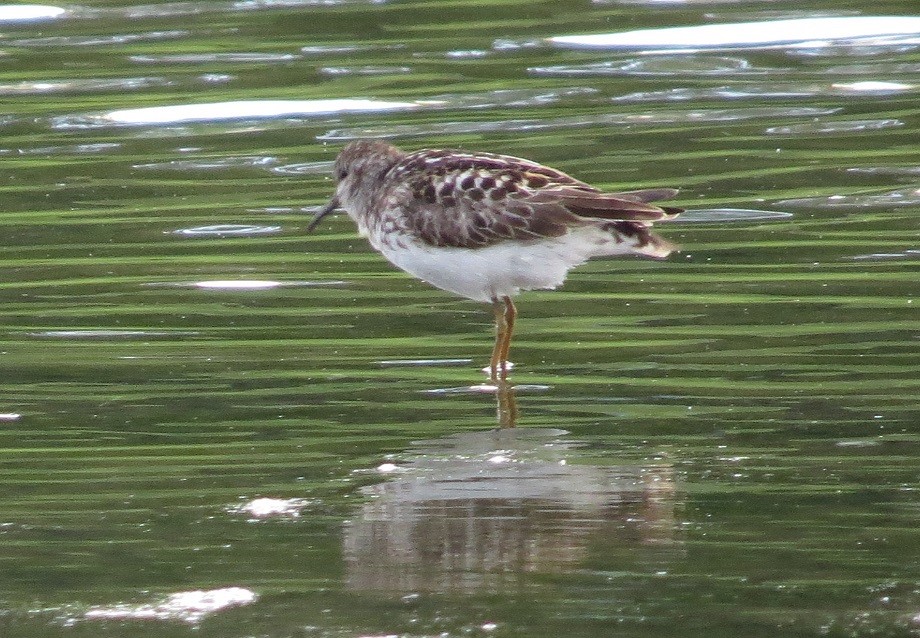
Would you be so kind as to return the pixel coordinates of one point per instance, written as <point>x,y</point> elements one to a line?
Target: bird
<point>486,226</point>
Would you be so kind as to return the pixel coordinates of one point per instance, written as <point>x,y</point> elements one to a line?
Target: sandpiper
<point>486,226</point>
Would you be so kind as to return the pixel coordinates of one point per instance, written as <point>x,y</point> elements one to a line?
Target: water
<point>214,424</point>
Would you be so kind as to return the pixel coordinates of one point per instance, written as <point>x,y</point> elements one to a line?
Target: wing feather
<point>474,200</point>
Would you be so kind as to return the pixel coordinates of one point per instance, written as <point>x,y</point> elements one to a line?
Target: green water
<point>724,443</point>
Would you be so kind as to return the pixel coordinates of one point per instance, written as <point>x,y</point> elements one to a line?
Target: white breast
<point>502,269</point>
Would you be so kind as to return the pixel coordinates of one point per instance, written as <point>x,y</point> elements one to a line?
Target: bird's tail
<point>639,239</point>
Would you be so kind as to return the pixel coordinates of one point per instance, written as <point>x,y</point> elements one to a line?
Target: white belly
<point>502,269</point>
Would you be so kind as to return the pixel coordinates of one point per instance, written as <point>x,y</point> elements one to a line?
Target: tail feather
<point>640,239</point>
<point>647,194</point>
<point>626,206</point>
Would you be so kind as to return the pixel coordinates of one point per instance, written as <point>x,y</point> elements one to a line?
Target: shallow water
<point>214,424</point>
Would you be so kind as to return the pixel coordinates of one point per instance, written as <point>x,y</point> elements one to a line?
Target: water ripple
<point>40,87</point>
<point>333,71</point>
<point>880,69</point>
<point>224,230</point>
<point>29,13</point>
<point>338,49</point>
<point>422,363</point>
<point>507,97</point>
<point>766,91</point>
<point>73,149</point>
<point>668,65</point>
<point>842,126</point>
<point>201,7</point>
<point>98,40</point>
<point>109,334</point>
<point>304,168</point>
<point>487,388</point>
<point>246,110</point>
<point>466,54</point>
<point>910,253</point>
<point>235,110</point>
<point>903,197</point>
<point>252,284</point>
<point>721,215</point>
<point>908,171</point>
<point>212,58</point>
<point>646,118</point>
<point>815,32</point>
<point>203,164</point>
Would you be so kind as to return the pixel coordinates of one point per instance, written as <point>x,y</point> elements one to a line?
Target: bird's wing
<point>473,200</point>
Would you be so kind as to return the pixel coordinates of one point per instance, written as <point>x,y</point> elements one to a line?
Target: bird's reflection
<point>478,511</point>
<point>506,405</point>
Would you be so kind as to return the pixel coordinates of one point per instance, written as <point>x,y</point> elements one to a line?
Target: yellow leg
<point>510,314</point>
<point>499,310</point>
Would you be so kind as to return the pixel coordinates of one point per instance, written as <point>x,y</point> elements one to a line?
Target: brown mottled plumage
<point>486,226</point>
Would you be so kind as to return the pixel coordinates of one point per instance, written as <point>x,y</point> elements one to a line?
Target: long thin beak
<point>322,212</point>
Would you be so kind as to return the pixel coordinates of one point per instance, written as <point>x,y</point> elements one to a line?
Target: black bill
<point>322,212</point>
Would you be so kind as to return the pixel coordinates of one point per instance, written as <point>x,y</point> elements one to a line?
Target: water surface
<point>214,424</point>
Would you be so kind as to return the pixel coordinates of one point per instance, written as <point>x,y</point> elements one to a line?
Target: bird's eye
<point>343,173</point>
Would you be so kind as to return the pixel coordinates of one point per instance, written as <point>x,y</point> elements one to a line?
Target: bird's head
<point>359,172</point>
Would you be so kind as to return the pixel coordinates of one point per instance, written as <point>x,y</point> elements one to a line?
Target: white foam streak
<point>29,12</point>
<point>243,109</point>
<point>772,33</point>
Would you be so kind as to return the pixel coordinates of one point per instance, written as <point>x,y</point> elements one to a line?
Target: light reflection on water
<point>215,424</point>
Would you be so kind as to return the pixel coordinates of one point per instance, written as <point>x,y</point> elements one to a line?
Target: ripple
<point>647,118</point>
<point>204,164</point>
<point>423,363</point>
<point>333,49</point>
<point>223,230</point>
<point>722,215</point>
<point>98,40</point>
<point>108,334</point>
<point>305,168</point>
<point>858,443</point>
<point>29,12</point>
<point>73,149</point>
<point>237,284</point>
<point>10,416</point>
<point>248,110</point>
<point>487,388</point>
<point>886,170</point>
<point>873,87</point>
<point>202,7</point>
<point>82,85</point>
<point>772,90</point>
<point>212,58</point>
<point>878,70</point>
<point>659,65</point>
<point>466,54</point>
<point>364,70</point>
<point>872,46</point>
<point>844,126</point>
<point>507,97</point>
<point>903,197</point>
<point>256,284</point>
<point>818,32</point>
<point>508,44</point>
<point>236,110</point>
<point>911,253</point>
<point>187,606</point>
